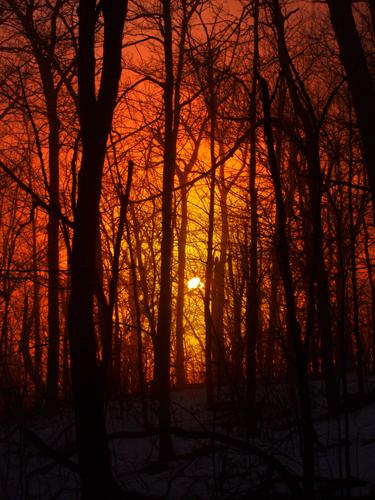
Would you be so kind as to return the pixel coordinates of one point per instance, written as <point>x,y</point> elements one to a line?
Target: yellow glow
<point>194,283</point>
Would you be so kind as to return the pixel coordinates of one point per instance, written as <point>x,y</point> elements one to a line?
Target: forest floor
<point>215,458</point>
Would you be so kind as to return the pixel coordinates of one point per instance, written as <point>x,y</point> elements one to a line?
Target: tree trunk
<point>273,318</point>
<point>252,292</point>
<point>182,237</point>
<point>360,82</point>
<point>293,327</point>
<point>163,333</point>
<point>138,318</point>
<point>236,339</point>
<point>44,56</point>
<point>218,284</point>
<point>95,113</point>
<point>372,291</point>
<point>53,255</point>
<point>38,350</point>
<point>353,265</point>
<point>314,244</point>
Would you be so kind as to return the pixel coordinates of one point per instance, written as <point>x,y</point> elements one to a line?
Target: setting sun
<point>187,249</point>
<point>195,283</point>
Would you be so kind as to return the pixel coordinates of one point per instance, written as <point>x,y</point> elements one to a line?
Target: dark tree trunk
<point>147,301</point>
<point>209,331</point>
<point>163,333</point>
<point>53,254</point>
<point>45,61</point>
<point>372,13</point>
<point>138,317</point>
<point>360,81</point>
<point>274,318</point>
<point>30,367</point>
<point>372,301</point>
<point>252,292</point>
<point>38,350</point>
<point>314,243</point>
<point>95,113</point>
<point>293,326</point>
<point>353,262</point>
<point>218,288</point>
<point>320,276</point>
<point>183,175</point>
<point>106,308</point>
<point>182,237</point>
<point>236,338</point>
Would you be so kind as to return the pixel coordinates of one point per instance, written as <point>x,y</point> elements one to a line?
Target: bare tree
<point>293,326</point>
<point>360,82</point>
<point>95,114</point>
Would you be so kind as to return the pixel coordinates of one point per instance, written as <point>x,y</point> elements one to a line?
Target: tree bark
<point>53,251</point>
<point>293,326</point>
<point>360,82</point>
<point>218,287</point>
<point>313,235</point>
<point>163,333</point>
<point>44,59</point>
<point>209,333</point>
<point>95,113</point>
<point>182,238</point>
<point>252,292</point>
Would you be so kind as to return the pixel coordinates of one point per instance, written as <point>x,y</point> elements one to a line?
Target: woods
<point>187,249</point>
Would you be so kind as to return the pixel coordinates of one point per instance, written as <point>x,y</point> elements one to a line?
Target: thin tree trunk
<point>353,262</point>
<point>237,342</point>
<point>372,288</point>
<point>25,342</point>
<point>318,273</point>
<point>106,307</point>
<point>138,318</point>
<point>38,349</point>
<point>163,334</point>
<point>372,13</point>
<point>274,320</point>
<point>147,301</point>
<point>218,283</point>
<point>218,291</point>
<point>183,175</point>
<point>252,292</point>
<point>273,317</point>
<point>182,237</point>
<point>53,257</point>
<point>345,343</point>
<point>356,325</point>
<point>210,231</point>
<point>44,57</point>
<point>293,327</point>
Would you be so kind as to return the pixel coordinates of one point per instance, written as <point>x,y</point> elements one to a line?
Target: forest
<point>187,249</point>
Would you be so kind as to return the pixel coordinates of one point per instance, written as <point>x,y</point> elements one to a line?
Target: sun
<point>194,283</point>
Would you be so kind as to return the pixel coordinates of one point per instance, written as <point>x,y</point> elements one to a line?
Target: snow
<point>202,468</point>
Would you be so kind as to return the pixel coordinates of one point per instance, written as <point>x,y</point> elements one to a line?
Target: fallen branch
<point>47,450</point>
<point>290,479</point>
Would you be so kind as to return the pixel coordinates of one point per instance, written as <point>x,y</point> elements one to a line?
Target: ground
<point>214,458</point>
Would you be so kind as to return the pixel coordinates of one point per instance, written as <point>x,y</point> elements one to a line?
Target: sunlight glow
<point>195,283</point>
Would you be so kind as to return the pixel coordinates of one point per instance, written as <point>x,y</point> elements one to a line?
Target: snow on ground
<point>202,468</point>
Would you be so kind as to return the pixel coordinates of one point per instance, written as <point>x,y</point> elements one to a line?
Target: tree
<point>44,52</point>
<point>360,82</point>
<point>95,114</point>
<point>293,327</point>
<point>252,292</point>
<point>319,297</point>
